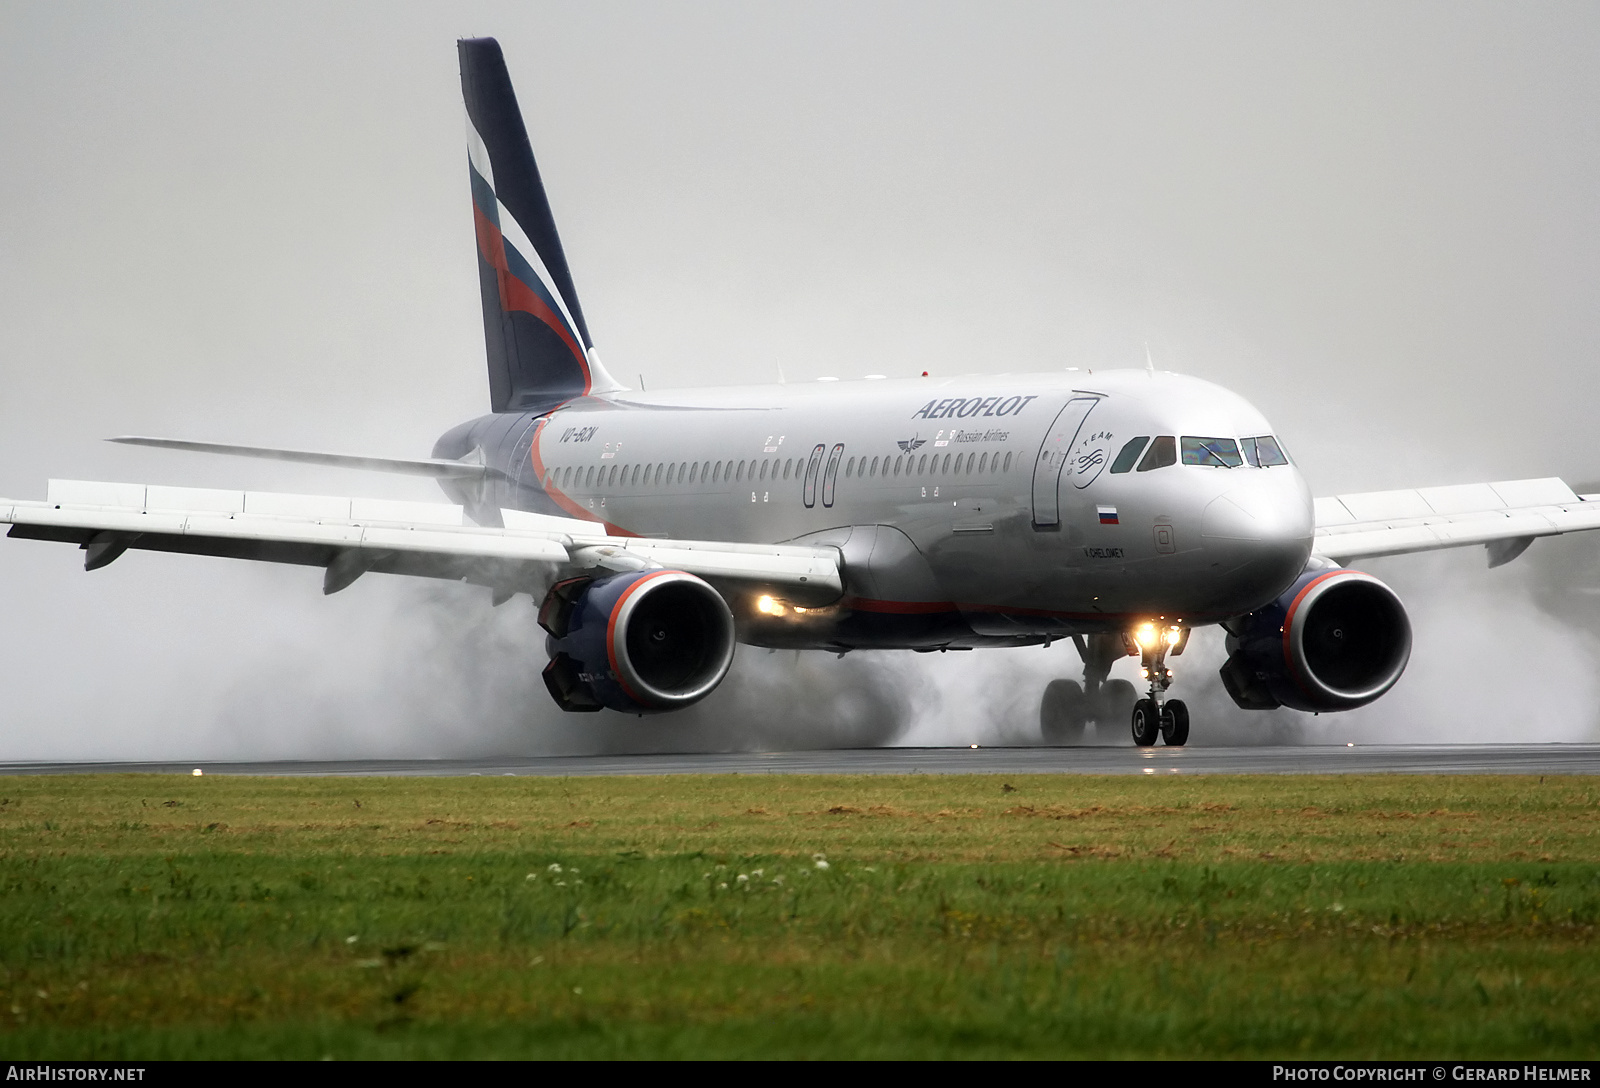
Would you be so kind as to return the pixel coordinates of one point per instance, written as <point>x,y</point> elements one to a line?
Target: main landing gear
<point>1068,706</point>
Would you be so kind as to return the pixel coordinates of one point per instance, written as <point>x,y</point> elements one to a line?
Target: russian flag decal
<point>1108,515</point>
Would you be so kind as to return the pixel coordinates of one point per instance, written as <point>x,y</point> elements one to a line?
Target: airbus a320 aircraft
<point>1117,509</point>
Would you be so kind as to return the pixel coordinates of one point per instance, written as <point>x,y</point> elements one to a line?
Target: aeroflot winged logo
<point>525,282</point>
<point>967,407</point>
<point>912,444</point>
<point>538,345</point>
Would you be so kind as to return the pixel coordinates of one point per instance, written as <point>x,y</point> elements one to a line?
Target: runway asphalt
<point>1372,759</point>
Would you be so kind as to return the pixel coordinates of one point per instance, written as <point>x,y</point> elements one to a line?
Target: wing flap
<point>1365,526</point>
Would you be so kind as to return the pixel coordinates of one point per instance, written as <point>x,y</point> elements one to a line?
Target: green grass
<point>154,917</point>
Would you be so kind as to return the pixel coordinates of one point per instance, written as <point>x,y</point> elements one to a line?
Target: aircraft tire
<point>1145,726</point>
<point>1116,701</point>
<point>1061,712</point>
<point>1175,723</point>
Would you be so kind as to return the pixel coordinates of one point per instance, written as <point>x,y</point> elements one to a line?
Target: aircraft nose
<point>1265,510</point>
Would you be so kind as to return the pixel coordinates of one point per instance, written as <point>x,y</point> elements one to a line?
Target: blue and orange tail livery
<point>539,348</point>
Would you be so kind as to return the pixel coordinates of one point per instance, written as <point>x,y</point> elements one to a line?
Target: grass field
<point>783,916</point>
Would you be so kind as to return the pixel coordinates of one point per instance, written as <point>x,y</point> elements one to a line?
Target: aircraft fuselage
<point>968,511</point>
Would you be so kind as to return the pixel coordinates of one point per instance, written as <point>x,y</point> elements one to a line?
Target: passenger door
<point>1052,458</point>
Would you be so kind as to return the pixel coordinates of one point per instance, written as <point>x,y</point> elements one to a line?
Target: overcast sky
<point>1378,222</point>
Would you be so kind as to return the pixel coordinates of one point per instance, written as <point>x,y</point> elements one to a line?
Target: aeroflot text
<point>965,407</point>
<point>1423,1073</point>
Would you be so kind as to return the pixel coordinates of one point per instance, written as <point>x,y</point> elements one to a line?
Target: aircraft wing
<point>1505,517</point>
<point>348,537</point>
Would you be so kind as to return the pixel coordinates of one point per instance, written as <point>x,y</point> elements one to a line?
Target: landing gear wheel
<point>1175,723</point>
<point>1145,726</point>
<point>1116,702</point>
<point>1062,712</point>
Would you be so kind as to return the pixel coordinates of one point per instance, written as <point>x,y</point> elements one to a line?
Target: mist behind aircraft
<point>1376,223</point>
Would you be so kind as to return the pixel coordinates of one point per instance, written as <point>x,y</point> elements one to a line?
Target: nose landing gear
<point>1154,715</point>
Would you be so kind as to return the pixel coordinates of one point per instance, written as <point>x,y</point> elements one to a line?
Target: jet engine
<point>1335,640</point>
<point>640,642</point>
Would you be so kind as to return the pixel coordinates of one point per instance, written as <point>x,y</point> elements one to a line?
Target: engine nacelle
<point>640,642</point>
<point>1335,640</point>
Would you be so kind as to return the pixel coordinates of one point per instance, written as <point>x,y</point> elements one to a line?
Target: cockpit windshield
<point>1263,452</point>
<point>1216,452</point>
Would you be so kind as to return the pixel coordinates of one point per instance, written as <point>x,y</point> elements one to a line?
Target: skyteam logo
<point>1088,459</point>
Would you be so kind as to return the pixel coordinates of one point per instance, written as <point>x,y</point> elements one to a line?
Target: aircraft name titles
<point>965,407</point>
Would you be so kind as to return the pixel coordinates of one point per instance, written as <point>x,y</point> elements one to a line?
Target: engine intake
<point>640,642</point>
<point>1335,640</point>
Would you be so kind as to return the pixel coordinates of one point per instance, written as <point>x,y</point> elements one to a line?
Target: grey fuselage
<point>968,511</point>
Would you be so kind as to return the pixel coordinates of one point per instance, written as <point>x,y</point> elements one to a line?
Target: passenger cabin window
<point>1263,452</point>
<point>1129,454</point>
<point>1215,452</point>
<point>1163,452</point>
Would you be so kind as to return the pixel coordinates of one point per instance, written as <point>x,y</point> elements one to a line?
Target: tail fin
<point>539,347</point>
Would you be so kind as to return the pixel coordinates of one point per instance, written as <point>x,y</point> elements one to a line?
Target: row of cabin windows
<point>965,464</point>
<point>665,474</point>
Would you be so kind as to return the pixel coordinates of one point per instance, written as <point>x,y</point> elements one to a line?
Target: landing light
<point>1149,636</point>
<point>770,605</point>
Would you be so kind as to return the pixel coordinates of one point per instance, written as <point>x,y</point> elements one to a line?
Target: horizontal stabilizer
<point>405,466</point>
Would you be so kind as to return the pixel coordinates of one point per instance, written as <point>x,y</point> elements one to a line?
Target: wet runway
<point>1368,759</point>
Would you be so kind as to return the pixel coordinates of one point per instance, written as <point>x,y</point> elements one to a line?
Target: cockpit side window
<point>1215,452</point>
<point>1264,452</point>
<point>1163,452</point>
<point>1130,454</point>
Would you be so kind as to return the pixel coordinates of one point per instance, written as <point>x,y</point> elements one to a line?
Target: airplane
<point>658,531</point>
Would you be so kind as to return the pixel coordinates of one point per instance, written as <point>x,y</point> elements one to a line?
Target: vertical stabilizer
<point>539,348</point>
